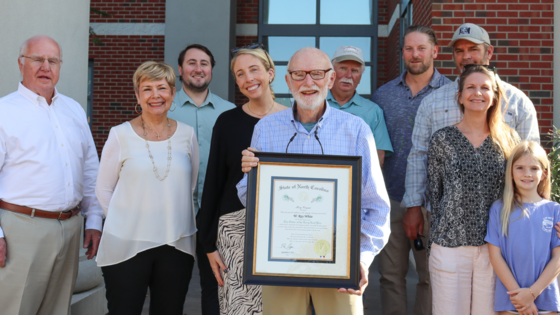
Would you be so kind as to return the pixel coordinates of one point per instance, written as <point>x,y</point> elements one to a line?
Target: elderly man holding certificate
<point>313,127</point>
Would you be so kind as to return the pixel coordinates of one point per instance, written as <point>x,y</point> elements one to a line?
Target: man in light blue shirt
<point>199,108</point>
<point>349,65</point>
<point>333,132</point>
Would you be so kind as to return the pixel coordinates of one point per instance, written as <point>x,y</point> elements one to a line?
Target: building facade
<point>135,31</point>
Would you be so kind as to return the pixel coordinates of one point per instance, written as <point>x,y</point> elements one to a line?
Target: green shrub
<point>554,157</point>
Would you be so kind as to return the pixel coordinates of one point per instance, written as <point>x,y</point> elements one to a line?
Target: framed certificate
<point>303,221</point>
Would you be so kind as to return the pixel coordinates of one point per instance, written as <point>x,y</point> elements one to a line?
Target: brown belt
<point>39,213</point>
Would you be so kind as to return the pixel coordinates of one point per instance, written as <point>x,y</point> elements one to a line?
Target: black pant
<point>208,284</point>
<point>165,270</point>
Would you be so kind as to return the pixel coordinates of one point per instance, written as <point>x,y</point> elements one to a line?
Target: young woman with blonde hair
<point>466,166</point>
<point>221,219</point>
<point>524,248</point>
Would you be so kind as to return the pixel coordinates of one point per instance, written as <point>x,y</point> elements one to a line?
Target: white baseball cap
<point>472,33</point>
<point>349,53</point>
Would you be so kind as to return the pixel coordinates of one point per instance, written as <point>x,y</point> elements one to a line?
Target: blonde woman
<point>146,178</point>
<point>466,168</point>
<point>523,246</point>
<point>221,219</point>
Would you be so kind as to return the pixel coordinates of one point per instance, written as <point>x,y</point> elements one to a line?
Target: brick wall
<point>422,12</point>
<point>116,59</point>
<point>393,53</point>
<point>129,11</point>
<point>247,11</point>
<point>521,32</point>
<point>382,42</point>
<point>113,92</point>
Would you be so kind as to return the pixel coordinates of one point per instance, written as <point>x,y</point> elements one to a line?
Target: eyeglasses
<point>299,75</point>
<point>53,62</point>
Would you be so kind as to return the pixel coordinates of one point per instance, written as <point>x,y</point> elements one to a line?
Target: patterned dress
<point>235,298</point>
<point>463,182</point>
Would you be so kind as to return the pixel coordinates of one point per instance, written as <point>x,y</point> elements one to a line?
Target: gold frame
<point>255,231</point>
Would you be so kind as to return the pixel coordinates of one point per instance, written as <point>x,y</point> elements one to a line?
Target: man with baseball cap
<point>471,45</point>
<point>349,65</point>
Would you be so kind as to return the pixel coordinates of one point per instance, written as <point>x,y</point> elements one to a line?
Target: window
<point>405,22</point>
<point>325,24</point>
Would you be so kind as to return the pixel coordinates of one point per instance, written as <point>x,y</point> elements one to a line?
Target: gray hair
<point>25,45</point>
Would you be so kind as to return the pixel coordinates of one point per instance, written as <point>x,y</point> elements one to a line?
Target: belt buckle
<point>59,215</point>
<point>32,213</point>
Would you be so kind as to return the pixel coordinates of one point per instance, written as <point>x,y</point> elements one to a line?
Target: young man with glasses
<point>349,65</point>
<point>314,127</point>
<point>199,108</point>
<point>471,45</point>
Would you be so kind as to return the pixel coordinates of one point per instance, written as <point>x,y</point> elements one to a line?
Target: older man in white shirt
<point>48,168</point>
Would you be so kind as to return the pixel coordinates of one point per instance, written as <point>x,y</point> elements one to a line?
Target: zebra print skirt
<point>235,298</point>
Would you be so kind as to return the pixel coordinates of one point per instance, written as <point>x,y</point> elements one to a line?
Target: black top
<point>232,134</point>
<point>463,182</point>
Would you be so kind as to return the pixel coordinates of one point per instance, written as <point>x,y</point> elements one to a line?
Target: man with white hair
<point>48,169</point>
<point>349,65</point>
<point>320,128</point>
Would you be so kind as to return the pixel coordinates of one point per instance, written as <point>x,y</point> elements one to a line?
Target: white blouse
<point>143,212</point>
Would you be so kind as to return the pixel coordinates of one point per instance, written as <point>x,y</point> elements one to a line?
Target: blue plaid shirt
<point>340,134</point>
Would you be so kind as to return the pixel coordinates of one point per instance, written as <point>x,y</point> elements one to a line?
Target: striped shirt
<point>440,109</point>
<point>340,134</point>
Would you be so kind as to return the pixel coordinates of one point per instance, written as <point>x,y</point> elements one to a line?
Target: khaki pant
<point>41,265</point>
<point>393,267</point>
<point>296,301</point>
<point>463,280</point>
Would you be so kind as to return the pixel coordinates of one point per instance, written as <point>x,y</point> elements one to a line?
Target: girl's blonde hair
<point>511,196</point>
<point>502,135</point>
<point>264,58</point>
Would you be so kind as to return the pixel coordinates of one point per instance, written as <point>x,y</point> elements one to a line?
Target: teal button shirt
<point>202,119</point>
<point>372,114</point>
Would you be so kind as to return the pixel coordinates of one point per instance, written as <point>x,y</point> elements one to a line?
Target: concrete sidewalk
<point>372,297</point>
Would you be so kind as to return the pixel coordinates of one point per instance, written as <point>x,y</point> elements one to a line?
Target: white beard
<point>314,102</point>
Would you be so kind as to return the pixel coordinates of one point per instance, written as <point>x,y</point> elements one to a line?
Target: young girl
<point>523,245</point>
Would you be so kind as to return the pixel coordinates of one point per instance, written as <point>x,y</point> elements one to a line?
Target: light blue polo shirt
<point>202,119</point>
<point>372,114</point>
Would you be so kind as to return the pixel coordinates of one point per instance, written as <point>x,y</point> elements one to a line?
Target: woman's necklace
<point>168,148</point>
<point>249,108</point>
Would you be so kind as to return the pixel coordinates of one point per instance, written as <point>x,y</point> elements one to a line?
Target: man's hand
<point>557,227</point>
<point>363,282</point>
<point>93,236</point>
<point>413,222</point>
<point>217,264</point>
<point>248,160</point>
<point>3,252</point>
